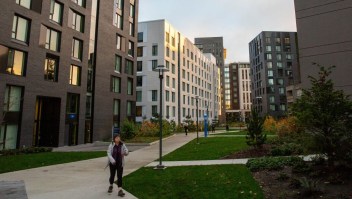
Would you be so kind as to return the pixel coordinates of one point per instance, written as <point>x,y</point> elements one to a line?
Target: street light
<point>161,69</point>
<point>197,97</point>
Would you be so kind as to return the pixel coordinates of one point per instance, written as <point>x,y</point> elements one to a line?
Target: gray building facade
<point>56,64</point>
<point>274,66</point>
<point>215,45</point>
<point>324,37</point>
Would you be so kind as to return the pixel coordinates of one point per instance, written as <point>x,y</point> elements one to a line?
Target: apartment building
<point>274,65</point>
<point>62,82</point>
<point>191,74</point>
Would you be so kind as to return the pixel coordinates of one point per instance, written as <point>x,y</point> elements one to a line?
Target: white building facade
<point>191,74</point>
<point>244,86</point>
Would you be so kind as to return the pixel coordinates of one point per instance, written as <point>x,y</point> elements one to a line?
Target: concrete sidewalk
<point>87,179</point>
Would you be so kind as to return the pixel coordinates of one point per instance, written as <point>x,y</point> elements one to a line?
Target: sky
<point>238,21</point>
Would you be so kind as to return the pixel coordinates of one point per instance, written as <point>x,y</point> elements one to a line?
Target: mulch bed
<point>251,153</point>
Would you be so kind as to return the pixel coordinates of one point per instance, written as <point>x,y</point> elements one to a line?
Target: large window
<point>132,11</point>
<point>77,46</point>
<point>24,3</point>
<point>139,81</point>
<point>75,75</point>
<point>80,2</point>
<point>173,97</point>
<point>13,98</point>
<point>129,67</point>
<point>139,96</point>
<point>139,66</point>
<point>140,37</point>
<point>130,48</point>
<point>51,68</point>
<point>56,10</point>
<point>16,62</point>
<point>139,111</point>
<point>129,86</point>
<point>167,81</point>
<point>119,4</point>
<point>118,42</point>
<point>115,84</point>
<point>154,64</point>
<point>140,51</point>
<point>155,50</point>
<point>118,63</point>
<point>118,21</point>
<point>131,29</point>
<point>154,110</point>
<point>52,40</point>
<point>167,96</point>
<point>77,21</point>
<point>129,108</point>
<point>116,107</point>
<point>20,29</point>
<point>154,95</point>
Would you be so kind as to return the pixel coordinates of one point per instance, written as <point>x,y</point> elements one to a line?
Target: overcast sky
<point>238,21</point>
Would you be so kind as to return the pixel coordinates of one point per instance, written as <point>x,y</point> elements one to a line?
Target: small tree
<point>326,114</point>
<point>255,136</point>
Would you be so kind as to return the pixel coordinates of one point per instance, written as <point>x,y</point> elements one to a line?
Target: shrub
<point>128,130</point>
<point>270,125</point>
<point>149,129</point>
<point>310,187</point>
<point>287,149</point>
<point>255,136</point>
<point>272,163</point>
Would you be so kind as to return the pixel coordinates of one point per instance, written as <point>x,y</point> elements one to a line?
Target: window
<point>154,95</point>
<point>118,21</point>
<point>268,40</point>
<point>269,64</point>
<point>287,40</point>
<point>282,107</point>
<point>167,81</point>
<point>139,81</point>
<point>272,107</point>
<point>139,96</point>
<point>154,64</point>
<point>118,42</point>
<point>173,83</point>
<point>278,48</point>
<point>132,11</point>
<point>167,37</point>
<point>289,56</point>
<point>154,110</point>
<point>77,46</point>
<point>167,111</point>
<point>139,51</point>
<point>167,52</point>
<point>139,66</point>
<point>20,29</point>
<point>80,2</point>
<point>131,48</point>
<point>140,37</point>
<point>52,40</point>
<point>280,82</point>
<point>173,70</point>
<point>278,40</point>
<point>24,3</point>
<point>139,110</point>
<point>77,21</point>
<point>131,29</point>
<point>155,50</point>
<point>268,56</point>
<point>56,9</point>
<point>119,4</point>
<point>75,75</point>
<point>173,111</point>
<point>282,91</point>
<point>116,107</point>
<point>173,55</point>
<point>173,41</point>
<point>279,57</point>
<point>272,99</point>
<point>16,63</point>
<point>51,69</point>
<point>173,97</point>
<point>129,108</point>
<point>167,96</point>
<point>279,64</point>
<point>129,86</point>
<point>129,67</point>
<point>271,81</point>
<point>118,63</point>
<point>270,73</point>
<point>13,98</point>
<point>115,84</point>
<point>167,65</point>
<point>268,48</point>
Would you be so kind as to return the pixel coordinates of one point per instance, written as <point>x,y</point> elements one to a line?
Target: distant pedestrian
<point>213,128</point>
<point>186,129</point>
<point>116,152</point>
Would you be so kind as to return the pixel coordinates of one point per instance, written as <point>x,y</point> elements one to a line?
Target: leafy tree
<point>326,114</point>
<point>255,136</point>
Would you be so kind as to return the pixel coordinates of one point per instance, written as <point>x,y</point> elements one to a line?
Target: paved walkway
<point>87,179</point>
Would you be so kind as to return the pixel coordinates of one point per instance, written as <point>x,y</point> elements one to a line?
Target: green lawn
<point>218,181</point>
<point>236,132</point>
<point>210,148</point>
<point>28,161</point>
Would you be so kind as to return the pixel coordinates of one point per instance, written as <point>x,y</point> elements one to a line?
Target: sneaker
<point>110,189</point>
<point>121,193</point>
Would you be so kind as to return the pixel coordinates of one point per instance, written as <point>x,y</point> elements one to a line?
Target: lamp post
<point>197,97</point>
<point>161,69</point>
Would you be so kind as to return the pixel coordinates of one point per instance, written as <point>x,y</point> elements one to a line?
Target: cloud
<point>238,21</point>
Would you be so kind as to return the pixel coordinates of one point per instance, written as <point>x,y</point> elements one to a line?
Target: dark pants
<point>113,169</point>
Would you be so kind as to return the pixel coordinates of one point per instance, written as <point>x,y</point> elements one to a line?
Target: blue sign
<point>72,116</point>
<point>205,125</point>
<point>116,130</point>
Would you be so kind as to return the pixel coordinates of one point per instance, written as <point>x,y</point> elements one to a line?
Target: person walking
<point>186,128</point>
<point>116,152</point>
